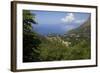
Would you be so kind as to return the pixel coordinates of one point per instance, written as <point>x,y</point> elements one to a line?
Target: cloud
<point>68,18</point>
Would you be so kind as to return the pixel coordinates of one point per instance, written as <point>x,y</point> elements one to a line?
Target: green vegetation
<point>56,50</point>
<point>74,45</point>
<point>30,39</point>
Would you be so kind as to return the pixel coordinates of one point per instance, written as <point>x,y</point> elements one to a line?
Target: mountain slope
<point>83,31</point>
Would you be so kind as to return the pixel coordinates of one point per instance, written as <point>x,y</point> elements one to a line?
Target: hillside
<point>74,45</point>
<point>82,31</point>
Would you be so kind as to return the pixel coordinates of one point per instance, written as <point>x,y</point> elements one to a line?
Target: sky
<point>57,22</point>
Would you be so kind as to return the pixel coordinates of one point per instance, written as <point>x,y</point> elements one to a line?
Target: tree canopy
<point>30,39</point>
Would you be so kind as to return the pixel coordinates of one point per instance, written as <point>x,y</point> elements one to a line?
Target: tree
<point>30,39</point>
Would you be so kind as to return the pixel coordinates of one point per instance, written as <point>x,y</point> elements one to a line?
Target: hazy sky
<point>58,22</point>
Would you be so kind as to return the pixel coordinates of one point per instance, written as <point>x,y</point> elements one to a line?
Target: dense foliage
<point>51,50</point>
<point>30,39</point>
